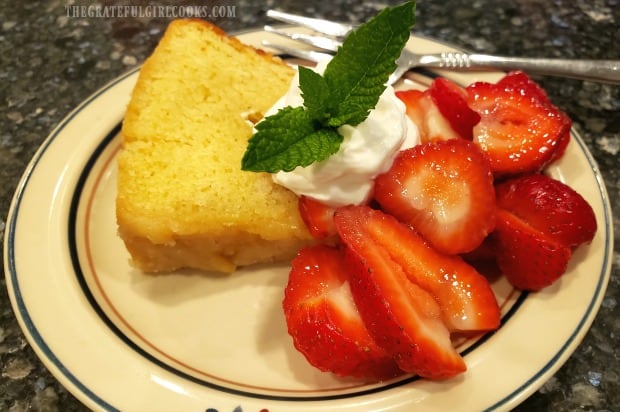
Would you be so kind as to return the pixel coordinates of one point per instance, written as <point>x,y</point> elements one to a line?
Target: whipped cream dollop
<point>367,150</point>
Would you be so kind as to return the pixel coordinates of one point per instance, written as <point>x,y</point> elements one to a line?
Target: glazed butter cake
<point>183,200</point>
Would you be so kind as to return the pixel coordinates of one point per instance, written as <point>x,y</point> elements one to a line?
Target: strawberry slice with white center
<point>444,190</point>
<point>441,112</point>
<point>519,128</point>
<point>451,100</point>
<point>519,82</point>
<point>324,322</point>
<point>415,108</point>
<point>465,297</point>
<point>422,110</point>
<point>403,318</point>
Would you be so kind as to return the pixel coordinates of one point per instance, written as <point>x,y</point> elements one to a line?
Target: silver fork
<point>329,35</point>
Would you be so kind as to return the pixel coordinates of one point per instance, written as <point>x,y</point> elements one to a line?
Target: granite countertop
<point>52,59</point>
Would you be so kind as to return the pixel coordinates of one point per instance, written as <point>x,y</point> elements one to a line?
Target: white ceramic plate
<point>122,340</point>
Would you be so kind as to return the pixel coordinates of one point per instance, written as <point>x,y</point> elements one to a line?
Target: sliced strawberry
<point>528,258</point>
<point>412,99</point>
<point>465,297</point>
<point>444,190</point>
<point>549,206</point>
<point>402,317</point>
<point>318,217</point>
<point>484,252</point>
<point>422,110</point>
<point>522,83</point>
<point>518,131</point>
<point>323,320</point>
<point>451,100</point>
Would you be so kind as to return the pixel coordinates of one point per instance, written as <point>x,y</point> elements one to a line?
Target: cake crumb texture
<point>183,200</point>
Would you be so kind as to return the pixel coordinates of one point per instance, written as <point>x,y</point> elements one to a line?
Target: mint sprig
<point>289,139</point>
<point>350,87</point>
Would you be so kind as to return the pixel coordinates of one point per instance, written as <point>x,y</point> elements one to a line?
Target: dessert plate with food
<point>171,269</point>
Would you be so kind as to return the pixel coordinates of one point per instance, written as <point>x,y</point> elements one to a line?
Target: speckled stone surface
<point>51,61</point>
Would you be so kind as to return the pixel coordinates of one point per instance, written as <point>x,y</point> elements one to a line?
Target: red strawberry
<point>482,253</point>
<point>518,131</point>
<point>560,148</point>
<point>451,100</point>
<point>521,82</point>
<point>528,258</point>
<point>318,217</point>
<point>444,190</point>
<point>412,98</point>
<point>403,318</point>
<point>422,110</point>
<point>465,297</point>
<point>549,206</point>
<point>324,322</point>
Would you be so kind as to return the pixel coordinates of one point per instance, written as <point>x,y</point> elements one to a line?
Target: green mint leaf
<point>315,93</point>
<point>356,76</point>
<point>288,139</point>
<point>351,86</point>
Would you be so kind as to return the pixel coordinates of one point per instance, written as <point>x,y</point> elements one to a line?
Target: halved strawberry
<point>518,130</point>
<point>423,111</point>
<point>550,206</point>
<point>451,100</point>
<point>402,317</point>
<point>484,252</point>
<point>519,81</point>
<point>318,217</point>
<point>444,190</point>
<point>528,258</point>
<point>412,99</point>
<point>465,297</point>
<point>323,320</point>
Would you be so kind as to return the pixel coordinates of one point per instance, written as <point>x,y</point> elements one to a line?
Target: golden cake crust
<point>183,200</point>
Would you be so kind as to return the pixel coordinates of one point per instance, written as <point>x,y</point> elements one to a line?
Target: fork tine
<point>322,26</point>
<point>324,43</point>
<point>310,55</point>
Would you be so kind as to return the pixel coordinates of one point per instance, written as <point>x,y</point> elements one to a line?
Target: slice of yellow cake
<point>183,200</point>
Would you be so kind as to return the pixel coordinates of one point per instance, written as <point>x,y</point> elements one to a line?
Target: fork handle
<point>606,71</point>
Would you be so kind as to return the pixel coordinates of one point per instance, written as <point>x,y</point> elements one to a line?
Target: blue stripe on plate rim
<point>39,340</point>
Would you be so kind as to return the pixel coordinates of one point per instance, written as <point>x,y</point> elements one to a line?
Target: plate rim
<point>84,393</point>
